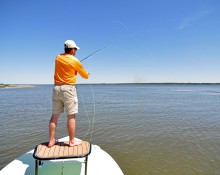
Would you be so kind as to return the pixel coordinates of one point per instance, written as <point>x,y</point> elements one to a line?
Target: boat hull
<point>99,163</point>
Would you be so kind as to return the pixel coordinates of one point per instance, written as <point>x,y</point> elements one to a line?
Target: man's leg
<point>71,126</point>
<point>52,129</point>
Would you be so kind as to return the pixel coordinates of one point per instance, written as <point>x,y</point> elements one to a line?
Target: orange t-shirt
<point>66,68</point>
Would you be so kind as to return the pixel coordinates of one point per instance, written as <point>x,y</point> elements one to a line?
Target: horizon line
<point>114,83</point>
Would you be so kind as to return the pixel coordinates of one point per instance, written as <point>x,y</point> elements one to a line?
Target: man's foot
<point>51,143</point>
<point>75,143</point>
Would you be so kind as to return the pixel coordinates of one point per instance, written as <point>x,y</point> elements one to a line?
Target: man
<point>64,92</point>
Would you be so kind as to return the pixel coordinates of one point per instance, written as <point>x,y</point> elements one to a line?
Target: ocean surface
<point>148,129</point>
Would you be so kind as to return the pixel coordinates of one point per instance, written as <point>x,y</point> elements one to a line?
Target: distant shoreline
<point>31,86</point>
<point>150,83</point>
<point>15,86</point>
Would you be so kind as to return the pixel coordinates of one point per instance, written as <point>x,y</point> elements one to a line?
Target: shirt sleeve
<point>80,69</point>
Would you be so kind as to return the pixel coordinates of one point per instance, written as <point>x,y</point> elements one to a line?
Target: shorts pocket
<point>69,93</point>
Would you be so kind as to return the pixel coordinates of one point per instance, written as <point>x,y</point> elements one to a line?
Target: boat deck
<point>61,150</point>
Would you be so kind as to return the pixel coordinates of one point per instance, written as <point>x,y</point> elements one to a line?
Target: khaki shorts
<point>65,96</point>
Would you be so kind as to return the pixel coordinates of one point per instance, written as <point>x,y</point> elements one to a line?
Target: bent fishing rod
<point>94,53</point>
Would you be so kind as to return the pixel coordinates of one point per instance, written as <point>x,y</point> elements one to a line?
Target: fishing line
<point>91,124</point>
<point>94,114</point>
<point>91,127</point>
<point>87,118</point>
<point>92,121</point>
<point>132,35</point>
<point>128,31</point>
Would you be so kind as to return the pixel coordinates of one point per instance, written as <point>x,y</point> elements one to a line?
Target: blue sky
<point>149,41</point>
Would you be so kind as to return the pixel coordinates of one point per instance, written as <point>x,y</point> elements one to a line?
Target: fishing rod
<point>94,53</point>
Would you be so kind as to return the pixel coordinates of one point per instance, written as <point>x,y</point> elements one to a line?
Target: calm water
<point>147,129</point>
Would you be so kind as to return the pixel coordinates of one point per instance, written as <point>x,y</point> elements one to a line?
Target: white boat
<point>99,163</point>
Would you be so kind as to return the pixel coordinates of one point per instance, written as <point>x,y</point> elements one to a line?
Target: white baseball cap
<point>70,44</point>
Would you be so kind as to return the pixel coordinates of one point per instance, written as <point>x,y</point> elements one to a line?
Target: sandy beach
<point>15,86</point>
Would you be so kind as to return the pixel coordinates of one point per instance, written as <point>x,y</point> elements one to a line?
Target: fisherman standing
<point>64,91</point>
